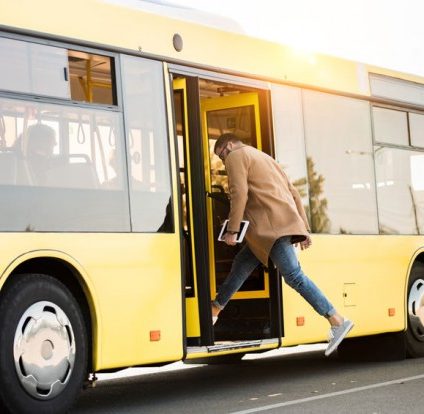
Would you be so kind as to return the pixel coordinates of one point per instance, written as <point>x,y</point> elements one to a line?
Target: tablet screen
<point>240,235</point>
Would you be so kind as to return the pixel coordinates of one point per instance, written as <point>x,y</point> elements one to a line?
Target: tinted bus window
<point>416,126</point>
<point>147,142</point>
<point>390,126</point>
<point>57,72</point>
<point>61,169</point>
<point>289,137</point>
<point>33,68</point>
<point>400,190</point>
<point>340,164</point>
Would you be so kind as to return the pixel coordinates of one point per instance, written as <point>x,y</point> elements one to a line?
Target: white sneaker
<point>337,334</point>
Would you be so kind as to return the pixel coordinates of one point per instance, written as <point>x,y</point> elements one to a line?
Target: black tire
<point>27,292</point>
<point>414,335</point>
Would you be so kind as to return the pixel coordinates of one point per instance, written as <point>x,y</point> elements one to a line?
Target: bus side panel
<point>137,289</point>
<point>138,294</point>
<point>363,277</point>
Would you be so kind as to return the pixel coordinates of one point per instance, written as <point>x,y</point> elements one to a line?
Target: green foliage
<point>300,185</point>
<point>320,223</point>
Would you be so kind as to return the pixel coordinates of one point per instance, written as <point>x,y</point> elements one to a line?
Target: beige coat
<point>261,193</point>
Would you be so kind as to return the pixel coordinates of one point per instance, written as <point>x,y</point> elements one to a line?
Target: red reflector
<point>392,311</point>
<point>154,336</point>
<point>300,321</point>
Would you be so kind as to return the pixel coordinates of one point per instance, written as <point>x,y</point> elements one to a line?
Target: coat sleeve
<point>298,201</point>
<point>237,166</point>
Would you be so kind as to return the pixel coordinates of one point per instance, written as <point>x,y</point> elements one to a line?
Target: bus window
<point>33,68</point>
<point>340,164</point>
<point>400,190</point>
<point>56,160</point>
<point>289,137</point>
<point>147,142</point>
<point>53,71</point>
<point>416,126</point>
<point>91,78</point>
<point>390,126</point>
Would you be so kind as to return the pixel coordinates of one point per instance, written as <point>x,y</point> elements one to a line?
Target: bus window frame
<point>117,81</point>
<point>95,50</point>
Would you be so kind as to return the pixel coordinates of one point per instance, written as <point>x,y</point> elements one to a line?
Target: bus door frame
<point>199,196</point>
<point>198,202</point>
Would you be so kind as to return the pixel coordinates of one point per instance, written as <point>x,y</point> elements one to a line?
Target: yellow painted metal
<point>87,83</point>
<point>214,104</point>
<point>192,303</point>
<point>89,88</point>
<point>378,266</point>
<point>131,288</point>
<point>133,28</point>
<point>228,102</point>
<point>350,294</point>
<point>124,275</point>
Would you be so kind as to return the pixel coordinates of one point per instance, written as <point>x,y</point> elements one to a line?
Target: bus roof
<point>116,24</point>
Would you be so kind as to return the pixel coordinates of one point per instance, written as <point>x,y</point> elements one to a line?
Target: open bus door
<point>188,243</point>
<point>201,116</point>
<point>247,315</point>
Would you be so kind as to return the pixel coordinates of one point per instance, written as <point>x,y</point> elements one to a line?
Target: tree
<point>317,211</point>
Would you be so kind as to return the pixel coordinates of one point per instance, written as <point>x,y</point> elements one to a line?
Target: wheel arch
<point>417,258</point>
<point>68,271</point>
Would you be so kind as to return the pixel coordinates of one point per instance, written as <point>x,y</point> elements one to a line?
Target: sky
<point>386,33</point>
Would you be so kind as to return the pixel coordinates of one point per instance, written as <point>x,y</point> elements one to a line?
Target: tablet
<point>240,235</point>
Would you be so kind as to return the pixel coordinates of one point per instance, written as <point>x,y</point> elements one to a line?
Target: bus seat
<point>72,175</point>
<point>8,168</point>
<point>13,169</point>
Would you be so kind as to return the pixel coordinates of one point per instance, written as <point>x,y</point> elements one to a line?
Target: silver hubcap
<point>44,350</point>
<point>416,309</point>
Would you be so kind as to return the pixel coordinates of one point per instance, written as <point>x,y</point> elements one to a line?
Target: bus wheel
<point>415,331</point>
<point>43,342</point>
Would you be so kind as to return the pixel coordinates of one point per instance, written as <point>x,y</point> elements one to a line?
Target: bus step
<point>263,344</point>
<point>226,346</point>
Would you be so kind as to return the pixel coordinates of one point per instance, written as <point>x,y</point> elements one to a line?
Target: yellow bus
<point>111,196</point>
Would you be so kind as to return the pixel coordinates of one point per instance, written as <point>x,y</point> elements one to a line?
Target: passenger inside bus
<point>36,147</point>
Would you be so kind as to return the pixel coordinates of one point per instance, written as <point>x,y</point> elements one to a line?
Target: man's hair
<point>40,136</point>
<point>224,139</point>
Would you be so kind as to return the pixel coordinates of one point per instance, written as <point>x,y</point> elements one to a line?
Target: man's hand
<point>230,239</point>
<point>306,243</point>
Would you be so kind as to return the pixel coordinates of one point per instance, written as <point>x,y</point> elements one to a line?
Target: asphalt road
<point>276,382</point>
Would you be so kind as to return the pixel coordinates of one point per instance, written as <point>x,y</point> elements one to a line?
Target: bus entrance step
<point>225,346</point>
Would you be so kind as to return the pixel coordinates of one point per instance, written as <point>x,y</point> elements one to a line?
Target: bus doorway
<point>236,111</point>
<point>253,313</point>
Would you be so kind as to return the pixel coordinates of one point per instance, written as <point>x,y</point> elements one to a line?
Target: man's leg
<point>245,262</point>
<point>284,257</point>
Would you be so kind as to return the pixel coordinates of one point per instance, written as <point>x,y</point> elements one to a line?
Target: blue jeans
<point>284,258</point>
